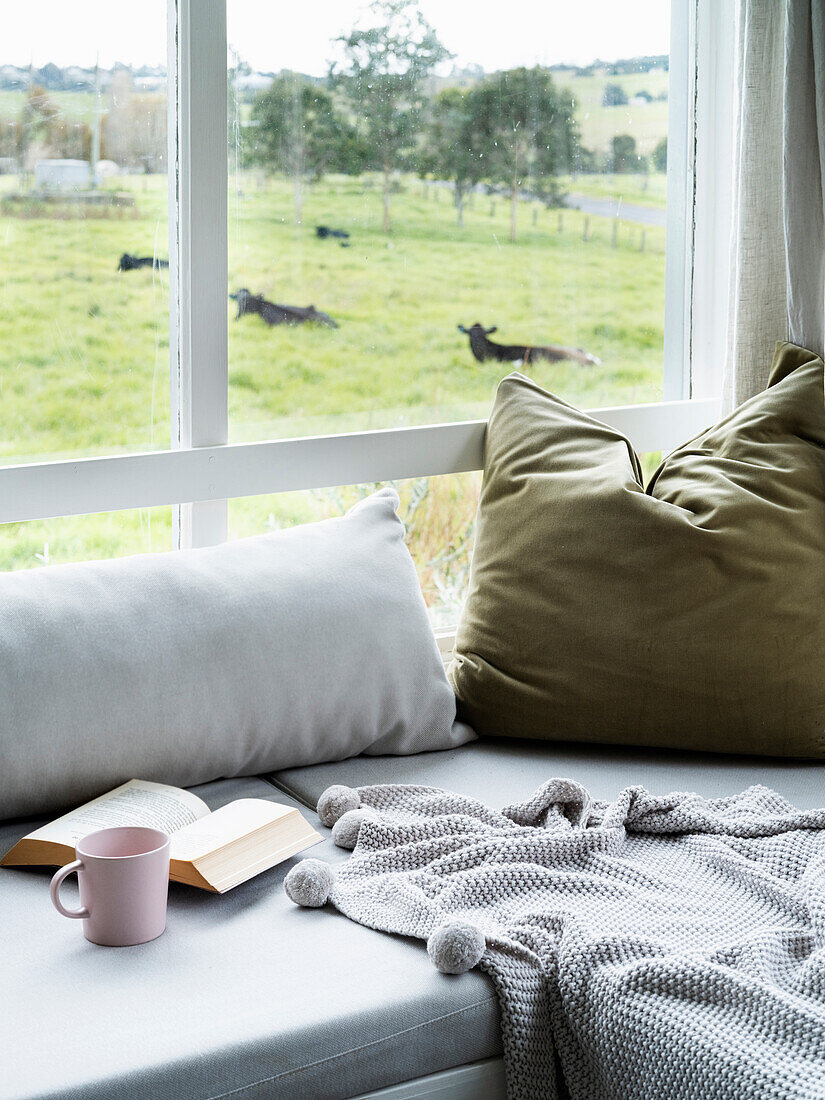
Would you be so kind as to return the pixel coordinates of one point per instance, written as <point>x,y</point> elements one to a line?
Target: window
<point>561,241</point>
<point>438,513</point>
<point>80,538</point>
<point>404,190</point>
<point>83,154</point>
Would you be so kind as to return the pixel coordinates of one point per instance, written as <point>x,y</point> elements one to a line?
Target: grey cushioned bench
<point>499,771</point>
<point>247,996</point>
<point>244,995</point>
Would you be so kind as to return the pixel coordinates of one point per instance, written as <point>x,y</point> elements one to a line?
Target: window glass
<point>84,323</point>
<point>82,538</point>
<point>438,512</point>
<point>399,171</point>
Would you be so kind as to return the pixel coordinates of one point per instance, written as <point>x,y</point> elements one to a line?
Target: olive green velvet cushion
<point>689,613</point>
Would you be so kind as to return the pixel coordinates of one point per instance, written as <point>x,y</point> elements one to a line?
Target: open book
<point>214,850</point>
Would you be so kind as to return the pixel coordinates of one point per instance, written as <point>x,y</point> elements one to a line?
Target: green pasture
<point>84,367</point>
<point>646,122</point>
<point>397,357</point>
<point>637,188</point>
<point>78,106</point>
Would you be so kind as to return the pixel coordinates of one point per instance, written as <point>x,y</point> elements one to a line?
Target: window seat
<point>500,771</point>
<point>248,996</point>
<point>244,995</point>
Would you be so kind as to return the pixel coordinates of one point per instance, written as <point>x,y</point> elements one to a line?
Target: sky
<point>273,34</point>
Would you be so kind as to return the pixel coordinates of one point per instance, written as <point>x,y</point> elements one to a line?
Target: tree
<point>585,161</point>
<point>11,140</point>
<point>297,131</point>
<point>622,156</point>
<point>614,96</point>
<point>70,139</point>
<point>525,132</point>
<point>660,156</point>
<point>51,77</point>
<point>383,75</point>
<point>37,116</point>
<point>133,131</point>
<point>450,148</point>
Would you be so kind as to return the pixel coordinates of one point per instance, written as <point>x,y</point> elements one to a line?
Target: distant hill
<point>77,78</point>
<point>624,66</point>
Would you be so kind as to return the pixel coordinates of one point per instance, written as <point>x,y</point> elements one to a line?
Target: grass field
<point>641,190</point>
<point>78,106</point>
<point>397,357</point>
<point>646,122</point>
<point>85,348</point>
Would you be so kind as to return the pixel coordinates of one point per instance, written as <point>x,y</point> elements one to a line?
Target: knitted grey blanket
<point>667,947</point>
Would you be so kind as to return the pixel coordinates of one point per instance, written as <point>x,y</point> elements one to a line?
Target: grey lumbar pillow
<point>286,649</point>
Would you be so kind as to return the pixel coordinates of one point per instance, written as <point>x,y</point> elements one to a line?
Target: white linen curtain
<point>777,278</point>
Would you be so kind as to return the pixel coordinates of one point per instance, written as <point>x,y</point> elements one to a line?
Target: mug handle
<point>54,890</point>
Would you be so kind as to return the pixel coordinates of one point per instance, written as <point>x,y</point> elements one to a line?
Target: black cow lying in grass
<point>324,231</point>
<point>484,349</point>
<point>131,263</point>
<point>275,314</point>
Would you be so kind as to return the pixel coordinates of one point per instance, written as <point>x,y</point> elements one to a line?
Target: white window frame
<point>198,250</point>
<point>712,173</point>
<point>201,471</point>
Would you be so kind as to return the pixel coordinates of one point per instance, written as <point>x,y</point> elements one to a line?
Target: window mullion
<point>81,486</point>
<point>713,206</point>
<point>198,245</point>
<point>680,193</point>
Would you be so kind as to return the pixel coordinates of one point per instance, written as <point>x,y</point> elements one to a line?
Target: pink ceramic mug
<point>123,874</point>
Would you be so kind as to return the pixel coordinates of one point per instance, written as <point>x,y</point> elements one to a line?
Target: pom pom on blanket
<point>335,802</point>
<point>346,828</point>
<point>456,947</point>
<point>309,883</point>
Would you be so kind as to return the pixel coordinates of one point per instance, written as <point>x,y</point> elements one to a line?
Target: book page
<point>138,802</point>
<point>223,826</point>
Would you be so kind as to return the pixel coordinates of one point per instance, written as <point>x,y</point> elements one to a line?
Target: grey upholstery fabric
<point>290,648</point>
<point>499,771</point>
<point>243,995</point>
<point>658,946</point>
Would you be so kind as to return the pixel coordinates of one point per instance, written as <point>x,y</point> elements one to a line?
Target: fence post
<point>586,230</point>
<point>561,223</point>
<point>642,242</point>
